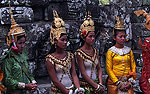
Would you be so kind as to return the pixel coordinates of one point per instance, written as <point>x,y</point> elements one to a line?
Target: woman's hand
<point>102,89</point>
<point>32,87</point>
<point>126,87</point>
<point>99,89</point>
<point>122,88</point>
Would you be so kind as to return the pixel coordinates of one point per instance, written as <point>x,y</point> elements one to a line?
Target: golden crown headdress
<point>14,31</point>
<point>57,28</point>
<point>119,25</point>
<point>88,25</point>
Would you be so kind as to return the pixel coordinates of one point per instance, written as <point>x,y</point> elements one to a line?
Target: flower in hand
<point>79,91</point>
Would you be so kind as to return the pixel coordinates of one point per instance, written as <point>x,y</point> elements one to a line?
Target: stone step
<point>43,89</point>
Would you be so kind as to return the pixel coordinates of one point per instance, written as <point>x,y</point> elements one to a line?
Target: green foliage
<point>104,2</point>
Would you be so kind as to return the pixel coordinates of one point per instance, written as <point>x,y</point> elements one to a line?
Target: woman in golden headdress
<point>88,59</point>
<point>120,63</point>
<point>17,76</point>
<point>60,63</point>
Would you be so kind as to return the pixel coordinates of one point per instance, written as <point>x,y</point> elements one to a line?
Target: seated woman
<point>17,76</point>
<point>120,63</point>
<point>60,63</point>
<point>88,59</point>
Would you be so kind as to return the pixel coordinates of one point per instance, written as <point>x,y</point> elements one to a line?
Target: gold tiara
<point>57,28</point>
<point>88,25</point>
<point>14,31</point>
<point>119,25</point>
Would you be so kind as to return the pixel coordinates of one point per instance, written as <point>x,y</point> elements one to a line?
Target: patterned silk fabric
<point>119,63</point>
<point>144,84</point>
<point>12,65</point>
<point>115,64</point>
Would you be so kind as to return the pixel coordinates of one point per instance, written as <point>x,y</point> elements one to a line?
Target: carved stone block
<point>20,14</point>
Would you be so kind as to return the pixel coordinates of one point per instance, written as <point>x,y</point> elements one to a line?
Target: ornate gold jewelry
<point>86,57</point>
<point>14,31</point>
<point>119,25</point>
<point>89,59</point>
<point>88,25</point>
<point>57,28</point>
<point>64,64</point>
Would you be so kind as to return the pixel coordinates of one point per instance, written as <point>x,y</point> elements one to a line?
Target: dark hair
<point>81,42</point>
<point>53,49</point>
<point>63,34</point>
<point>53,25</point>
<point>115,34</point>
<point>19,37</point>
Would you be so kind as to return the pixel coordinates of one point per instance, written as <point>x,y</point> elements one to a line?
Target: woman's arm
<point>109,67</point>
<point>100,75</point>
<point>8,79</point>
<point>52,74</point>
<point>32,86</point>
<point>74,75</point>
<point>99,72</point>
<point>133,65</point>
<point>83,73</point>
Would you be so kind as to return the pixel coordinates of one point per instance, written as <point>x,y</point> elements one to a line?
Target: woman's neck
<point>60,51</point>
<point>15,52</point>
<point>119,46</point>
<point>87,47</point>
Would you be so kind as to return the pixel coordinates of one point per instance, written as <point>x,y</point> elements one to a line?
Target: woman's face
<point>90,39</point>
<point>62,42</point>
<point>20,44</point>
<point>120,38</point>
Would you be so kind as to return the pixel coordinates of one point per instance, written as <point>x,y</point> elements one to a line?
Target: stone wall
<point>35,16</point>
